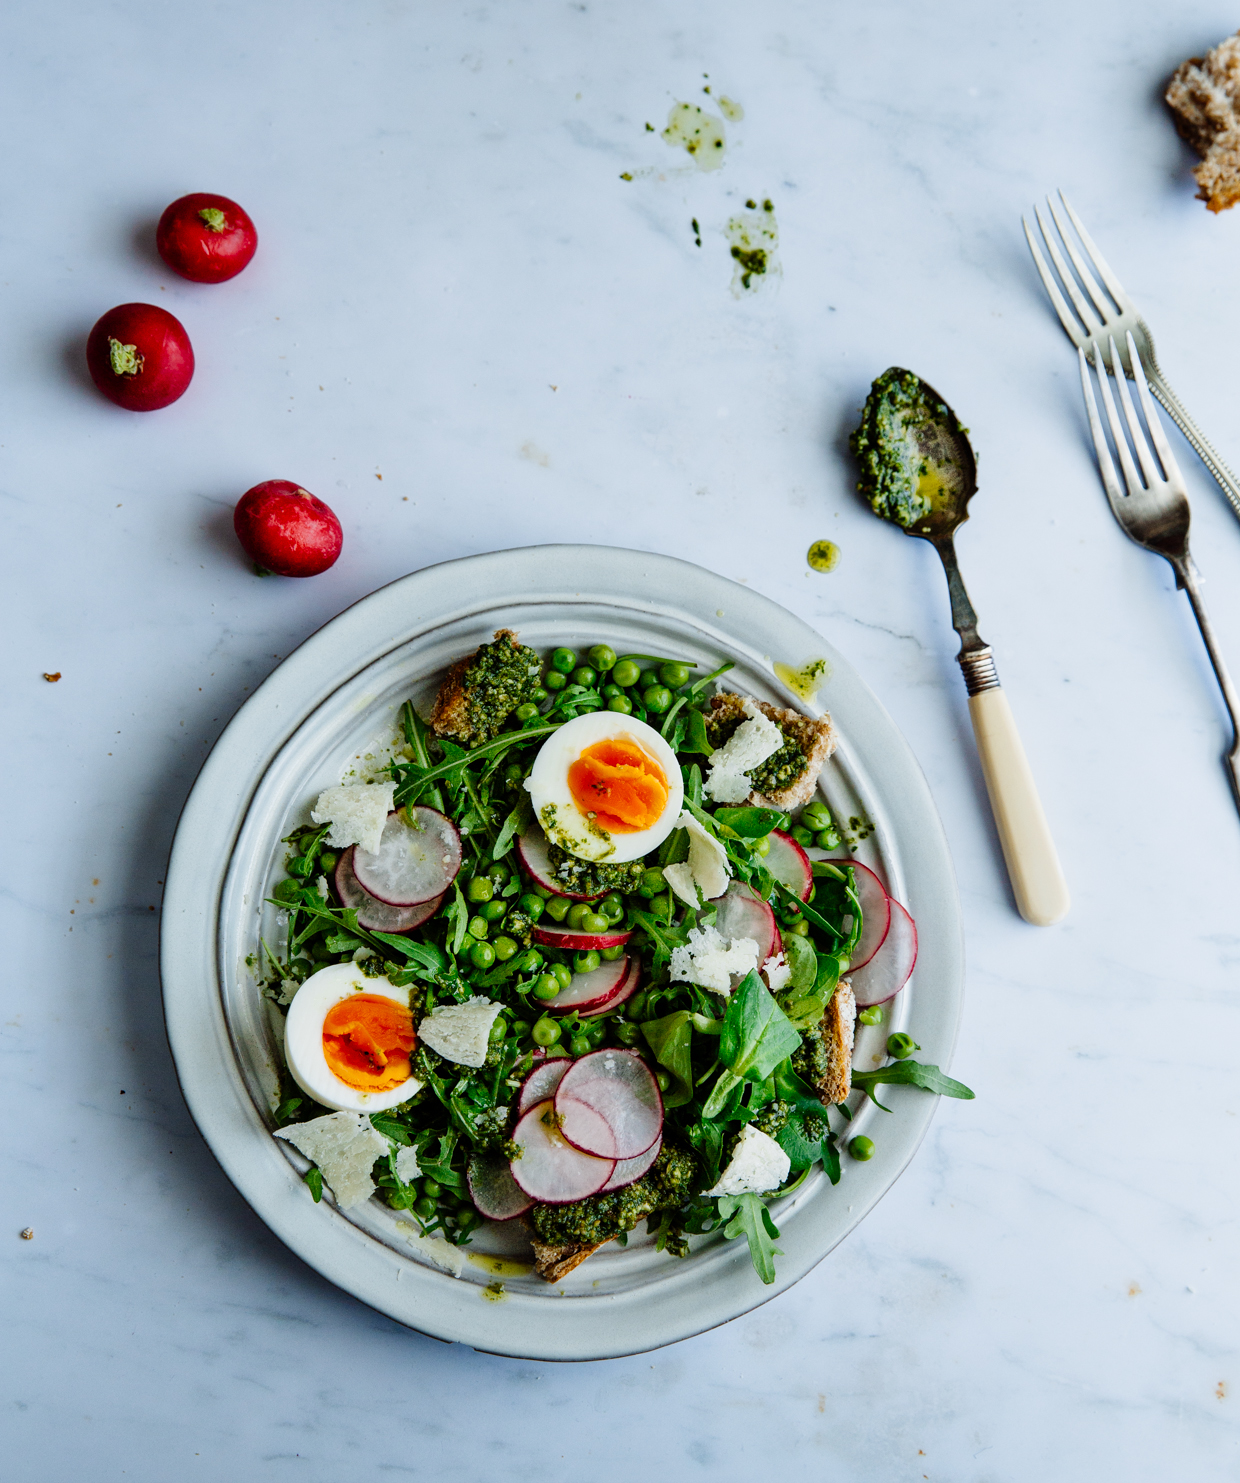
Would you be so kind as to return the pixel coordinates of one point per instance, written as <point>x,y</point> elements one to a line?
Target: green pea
<point>482,955</point>
<point>611,907</point>
<point>479,889</point>
<point>652,883</point>
<point>609,692</point>
<point>663,1079</point>
<point>547,986</point>
<point>628,1033</point>
<point>564,660</point>
<point>558,907</point>
<point>626,673</point>
<point>432,1189</point>
<point>532,906</point>
<point>799,928</point>
<point>636,1005</point>
<point>425,1207</point>
<point>827,839</point>
<point>562,973</point>
<point>500,1028</point>
<point>761,847</point>
<point>526,712</point>
<point>579,1045</point>
<point>519,1028</point>
<point>545,1032</point>
<point>542,892</point>
<point>479,926</point>
<point>327,859</point>
<point>610,954</point>
<point>657,699</point>
<point>594,921</point>
<point>816,815</point>
<point>872,1016</point>
<point>505,948</point>
<point>531,960</point>
<point>468,1218</point>
<point>498,872</point>
<point>621,704</point>
<point>861,1148</point>
<point>554,680</point>
<point>663,906</point>
<point>513,773</point>
<point>585,677</point>
<point>901,1046</point>
<point>674,675</point>
<point>803,837</point>
<point>586,962</point>
<point>576,913</point>
<point>538,695</point>
<point>492,911</point>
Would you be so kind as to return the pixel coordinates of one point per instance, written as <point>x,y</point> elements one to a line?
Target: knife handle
<point>1028,849</point>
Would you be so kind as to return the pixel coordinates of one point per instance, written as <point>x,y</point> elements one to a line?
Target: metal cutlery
<point>1114,317</point>
<point>1155,513</point>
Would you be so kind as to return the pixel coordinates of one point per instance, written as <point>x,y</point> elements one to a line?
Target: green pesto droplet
<point>823,556</point>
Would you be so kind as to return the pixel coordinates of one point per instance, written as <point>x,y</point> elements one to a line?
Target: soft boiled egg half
<point>348,1039</point>
<point>606,787</point>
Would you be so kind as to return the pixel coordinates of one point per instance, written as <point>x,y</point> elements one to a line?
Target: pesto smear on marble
<point>906,445</point>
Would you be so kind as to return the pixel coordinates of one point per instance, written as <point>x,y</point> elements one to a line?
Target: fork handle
<point>1189,577</point>
<point>1028,849</point>
<point>1227,481</point>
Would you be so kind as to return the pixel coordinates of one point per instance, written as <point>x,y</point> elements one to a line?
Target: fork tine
<point>1115,287</point>
<point>1106,465</point>
<point>1131,477</point>
<point>1092,324</point>
<point>1101,302</point>
<point>1066,316</point>
<point>1139,441</point>
<point>1170,467</point>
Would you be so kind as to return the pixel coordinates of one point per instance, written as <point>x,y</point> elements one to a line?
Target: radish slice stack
<point>789,863</point>
<point>494,1191</point>
<point>609,1105</point>
<point>573,940</point>
<point>542,1082</point>
<point>599,992</point>
<point>414,863</point>
<point>373,914</point>
<point>885,955</point>
<point>550,1169</point>
<point>875,912</point>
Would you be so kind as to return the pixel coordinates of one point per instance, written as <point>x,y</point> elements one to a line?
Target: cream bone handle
<point>1028,849</point>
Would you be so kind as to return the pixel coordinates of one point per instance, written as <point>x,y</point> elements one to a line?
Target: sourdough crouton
<point>1204,98</point>
<point>838,1027</point>
<point>788,779</point>
<point>482,690</point>
<point>553,1262</point>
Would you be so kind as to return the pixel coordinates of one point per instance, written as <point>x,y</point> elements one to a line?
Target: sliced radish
<point>575,941</point>
<point>550,1168</point>
<point>889,969</point>
<point>610,1099</point>
<point>875,911</point>
<point>588,990</point>
<point>789,863</point>
<point>741,912</point>
<point>493,1190</point>
<point>628,987</point>
<point>373,914</point>
<point>411,865</point>
<point>532,848</point>
<point>630,1170</point>
<point>542,1082</point>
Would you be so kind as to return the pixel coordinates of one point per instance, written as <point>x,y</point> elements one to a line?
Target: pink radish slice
<point>493,1190</point>
<point>789,863</point>
<point>628,987</point>
<point>542,1082</point>
<point>588,990</point>
<point>578,942</point>
<point>532,848</point>
<point>630,1170</point>
<point>411,865</point>
<point>610,1098</point>
<point>889,969</point>
<point>741,912</point>
<point>875,912</point>
<point>550,1168</point>
<point>373,914</point>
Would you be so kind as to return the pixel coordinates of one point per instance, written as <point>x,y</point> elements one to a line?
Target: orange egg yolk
<point>622,786</point>
<point>367,1040</point>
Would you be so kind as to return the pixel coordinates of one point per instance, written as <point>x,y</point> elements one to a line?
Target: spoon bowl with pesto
<point>918,471</point>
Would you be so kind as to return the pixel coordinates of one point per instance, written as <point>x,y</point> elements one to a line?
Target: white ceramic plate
<point>323,707</point>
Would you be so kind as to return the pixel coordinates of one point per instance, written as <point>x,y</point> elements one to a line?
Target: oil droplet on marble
<point>753,236</point>
<point>697,132</point>
<point>730,108</point>
<point>494,1292</point>
<point>823,556</point>
<point>805,681</point>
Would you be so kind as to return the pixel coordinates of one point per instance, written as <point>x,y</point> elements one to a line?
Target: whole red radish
<point>140,357</point>
<point>206,238</point>
<point>286,530</point>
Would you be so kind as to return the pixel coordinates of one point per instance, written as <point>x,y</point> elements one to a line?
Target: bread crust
<point>839,1026</point>
<point>554,1262</point>
<point>1204,98</point>
<point>816,737</point>
<point>450,715</point>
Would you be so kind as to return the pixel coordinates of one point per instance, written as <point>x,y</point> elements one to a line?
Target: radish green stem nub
<point>213,217</point>
<point>125,358</point>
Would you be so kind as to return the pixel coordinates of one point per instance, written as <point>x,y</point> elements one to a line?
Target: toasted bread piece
<point>1204,97</point>
<point>838,1030</point>
<point>553,1262</point>
<point>453,714</point>
<point>816,738</point>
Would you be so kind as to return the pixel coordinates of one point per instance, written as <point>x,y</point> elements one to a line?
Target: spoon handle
<point>1028,849</point>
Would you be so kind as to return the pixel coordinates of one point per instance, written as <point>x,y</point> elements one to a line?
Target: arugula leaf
<point>341,942</point>
<point>747,1216</point>
<point>516,823</point>
<point>314,1182</point>
<point>664,935</point>
<point>412,778</point>
<point>749,823</point>
<point>457,913</point>
<point>418,738</point>
<point>757,1034</point>
<point>395,1131</point>
<point>424,953</point>
<point>707,1140</point>
<point>910,1074</point>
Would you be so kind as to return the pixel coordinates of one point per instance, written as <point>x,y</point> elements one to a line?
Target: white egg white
<point>303,1039</point>
<point>556,809</point>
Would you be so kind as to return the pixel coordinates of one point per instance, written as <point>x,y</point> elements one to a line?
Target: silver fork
<point>1155,513</point>
<point>1116,317</point>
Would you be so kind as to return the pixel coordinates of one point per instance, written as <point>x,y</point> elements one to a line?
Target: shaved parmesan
<point>345,1146</point>
<point>434,1248</point>
<point>707,867</point>
<point>778,972</point>
<point>356,812</point>
<point>460,1032</point>
<point>753,741</point>
<point>757,1165</point>
<point>713,961</point>
<point>407,1166</point>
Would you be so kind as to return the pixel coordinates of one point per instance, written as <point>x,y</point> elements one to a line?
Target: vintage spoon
<point>919,472</point>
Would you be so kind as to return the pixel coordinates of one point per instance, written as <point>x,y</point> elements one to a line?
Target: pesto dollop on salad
<point>589,953</point>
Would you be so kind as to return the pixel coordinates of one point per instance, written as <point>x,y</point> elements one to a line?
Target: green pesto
<point>900,416</point>
<point>668,1185</point>
<point>501,676</point>
<point>809,1060</point>
<point>592,877</point>
<point>752,261</point>
<point>772,1118</point>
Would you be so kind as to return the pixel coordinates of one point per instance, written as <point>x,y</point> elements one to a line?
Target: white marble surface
<point>456,290</point>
